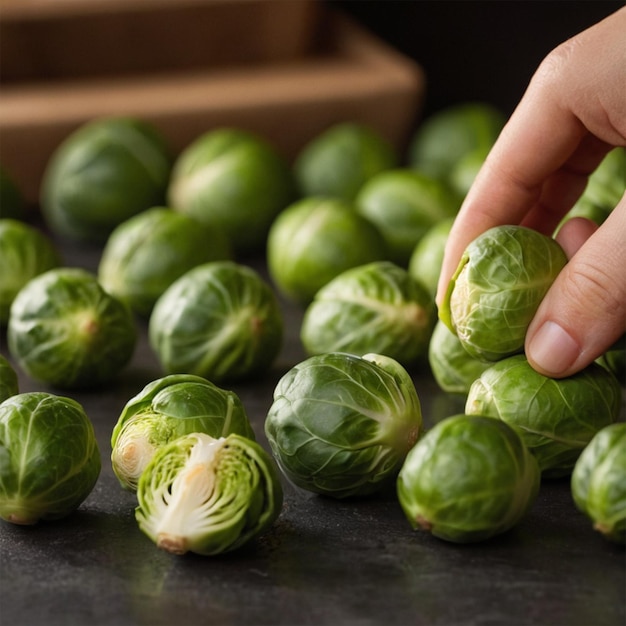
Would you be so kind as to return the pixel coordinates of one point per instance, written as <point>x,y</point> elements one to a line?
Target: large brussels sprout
<point>234,180</point>
<point>145,254</point>
<point>208,495</point>
<point>427,256</point>
<point>452,366</point>
<point>556,417</point>
<point>598,482</point>
<point>9,384</point>
<point>341,425</point>
<point>49,457</point>
<point>378,307</point>
<point>467,479</point>
<point>12,205</point>
<point>315,239</point>
<point>220,320</point>
<point>168,408</point>
<point>403,204</point>
<point>25,252</point>
<point>105,172</point>
<point>339,160</point>
<point>494,293</point>
<point>67,331</point>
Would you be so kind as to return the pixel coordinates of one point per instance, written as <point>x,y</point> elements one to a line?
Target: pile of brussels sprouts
<point>353,237</point>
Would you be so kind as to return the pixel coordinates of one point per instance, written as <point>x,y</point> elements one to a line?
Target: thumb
<point>584,312</point>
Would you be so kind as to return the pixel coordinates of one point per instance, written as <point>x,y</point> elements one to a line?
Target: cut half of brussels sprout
<point>341,425</point>
<point>467,479</point>
<point>168,408</point>
<point>206,495</point>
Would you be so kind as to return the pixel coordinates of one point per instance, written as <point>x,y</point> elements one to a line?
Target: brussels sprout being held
<point>208,495</point>
<point>599,482</point>
<point>469,478</point>
<point>341,425</point>
<point>50,457</point>
<point>555,417</point>
<point>168,408</point>
<point>497,287</point>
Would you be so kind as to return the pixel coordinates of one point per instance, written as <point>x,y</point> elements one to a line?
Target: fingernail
<point>553,349</point>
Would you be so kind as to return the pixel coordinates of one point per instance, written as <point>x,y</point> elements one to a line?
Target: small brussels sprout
<point>315,239</point>
<point>145,254</point>
<point>467,479</point>
<point>377,307</point>
<point>556,417</point>
<point>105,172</point>
<point>9,384</point>
<point>220,320</point>
<point>494,293</point>
<point>403,204</point>
<point>341,425</point>
<point>427,256</point>
<point>208,495</point>
<point>235,181</point>
<point>12,202</point>
<point>339,160</point>
<point>598,482</point>
<point>25,252</point>
<point>50,460</point>
<point>67,331</point>
<point>452,366</point>
<point>168,408</point>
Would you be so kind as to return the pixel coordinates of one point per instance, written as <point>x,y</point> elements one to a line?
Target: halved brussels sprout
<point>339,160</point>
<point>208,495</point>
<point>234,180</point>
<point>168,408</point>
<point>341,425</point>
<point>105,172</point>
<point>145,254</point>
<point>220,320</point>
<point>67,331</point>
<point>467,479</point>
<point>452,366</point>
<point>378,307</point>
<point>25,252</point>
<point>49,457</point>
<point>555,417</point>
<point>598,482</point>
<point>494,293</point>
<point>9,384</point>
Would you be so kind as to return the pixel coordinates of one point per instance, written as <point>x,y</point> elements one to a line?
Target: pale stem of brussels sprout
<point>131,454</point>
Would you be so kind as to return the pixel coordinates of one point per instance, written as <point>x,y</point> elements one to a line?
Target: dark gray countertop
<point>324,561</point>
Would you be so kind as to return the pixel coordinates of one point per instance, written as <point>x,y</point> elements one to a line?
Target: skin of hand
<point>572,114</point>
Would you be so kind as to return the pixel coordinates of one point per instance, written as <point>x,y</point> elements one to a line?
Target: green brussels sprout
<point>467,479</point>
<point>614,359</point>
<point>314,240</point>
<point>145,254</point>
<point>339,160</point>
<point>208,495</point>
<point>465,170</point>
<point>341,425</point>
<point>105,172</point>
<point>168,408</point>
<point>219,320</point>
<point>452,366</point>
<point>49,457</point>
<point>377,307</point>
<point>235,181</point>
<point>427,256</point>
<point>497,287</point>
<point>447,135</point>
<point>403,204</point>
<point>556,418</point>
<point>598,482</point>
<point>12,203</point>
<point>25,252</point>
<point>67,331</point>
<point>9,384</point>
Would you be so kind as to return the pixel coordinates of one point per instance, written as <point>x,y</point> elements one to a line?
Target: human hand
<point>572,114</point>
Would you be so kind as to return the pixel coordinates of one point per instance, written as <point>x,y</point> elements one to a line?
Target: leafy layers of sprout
<point>206,495</point>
